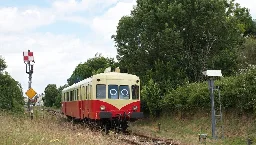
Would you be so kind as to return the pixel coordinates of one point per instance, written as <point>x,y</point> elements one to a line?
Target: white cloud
<point>13,19</point>
<point>76,19</point>
<point>56,56</point>
<point>107,23</point>
<point>70,6</point>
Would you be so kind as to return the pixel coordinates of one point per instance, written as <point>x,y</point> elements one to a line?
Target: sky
<point>61,34</point>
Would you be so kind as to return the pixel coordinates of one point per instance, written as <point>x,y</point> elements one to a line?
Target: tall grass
<point>237,128</point>
<point>46,129</point>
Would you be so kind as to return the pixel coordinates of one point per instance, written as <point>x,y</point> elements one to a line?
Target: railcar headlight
<point>134,108</point>
<point>102,107</point>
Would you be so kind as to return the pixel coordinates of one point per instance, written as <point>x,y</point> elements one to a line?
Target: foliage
<point>251,31</point>
<point>11,95</point>
<point>172,42</point>
<point>151,93</point>
<point>237,92</point>
<point>58,99</point>
<point>248,52</point>
<point>51,93</point>
<point>3,65</point>
<point>92,66</point>
<point>185,37</point>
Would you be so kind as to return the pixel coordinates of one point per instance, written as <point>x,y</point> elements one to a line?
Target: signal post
<point>29,61</point>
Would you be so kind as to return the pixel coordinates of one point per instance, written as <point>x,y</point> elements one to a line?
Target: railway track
<point>127,137</point>
<point>139,139</point>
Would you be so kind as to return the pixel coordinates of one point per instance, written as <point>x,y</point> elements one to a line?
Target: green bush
<point>237,92</point>
<point>11,96</point>
<point>150,95</point>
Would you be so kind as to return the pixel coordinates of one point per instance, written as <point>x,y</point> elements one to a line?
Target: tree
<point>92,66</point>
<point>248,52</point>
<point>186,37</point>
<point>3,65</point>
<point>51,93</point>
<point>11,96</point>
<point>58,98</point>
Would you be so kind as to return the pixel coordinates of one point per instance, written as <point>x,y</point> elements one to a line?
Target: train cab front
<point>110,109</point>
<point>118,96</point>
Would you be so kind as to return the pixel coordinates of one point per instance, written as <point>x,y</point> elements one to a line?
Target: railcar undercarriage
<point>119,123</point>
<point>116,124</point>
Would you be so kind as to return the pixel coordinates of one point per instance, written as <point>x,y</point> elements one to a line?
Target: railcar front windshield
<point>113,91</point>
<point>118,92</point>
<point>124,92</point>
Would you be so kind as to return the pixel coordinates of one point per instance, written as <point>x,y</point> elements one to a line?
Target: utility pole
<point>29,61</point>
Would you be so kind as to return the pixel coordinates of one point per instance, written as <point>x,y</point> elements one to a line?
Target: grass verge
<point>237,129</point>
<point>45,129</point>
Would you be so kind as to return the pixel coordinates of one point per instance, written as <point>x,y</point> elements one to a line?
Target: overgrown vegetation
<point>47,129</point>
<point>92,66</point>
<point>237,128</point>
<point>11,95</point>
<point>168,44</point>
<point>52,96</point>
<point>237,92</point>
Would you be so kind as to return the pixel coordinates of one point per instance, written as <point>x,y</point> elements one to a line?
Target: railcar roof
<point>115,75</point>
<point>78,84</point>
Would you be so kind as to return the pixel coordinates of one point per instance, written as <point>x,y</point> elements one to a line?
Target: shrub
<point>237,92</point>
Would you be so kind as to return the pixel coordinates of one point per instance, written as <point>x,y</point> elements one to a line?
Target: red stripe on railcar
<point>91,108</point>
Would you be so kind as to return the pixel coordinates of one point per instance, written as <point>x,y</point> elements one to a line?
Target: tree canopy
<point>51,92</point>
<point>248,52</point>
<point>92,66</point>
<point>52,96</point>
<point>174,41</point>
<point>11,95</point>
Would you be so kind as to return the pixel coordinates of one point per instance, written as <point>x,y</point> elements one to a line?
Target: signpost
<point>28,58</point>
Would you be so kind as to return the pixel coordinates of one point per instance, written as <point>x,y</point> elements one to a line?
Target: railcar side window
<point>77,94</point>
<point>101,91</point>
<point>68,96</point>
<point>86,93</point>
<point>71,95</point>
<point>74,95</point>
<point>135,92</point>
<point>124,92</point>
<point>113,91</point>
<point>91,92</point>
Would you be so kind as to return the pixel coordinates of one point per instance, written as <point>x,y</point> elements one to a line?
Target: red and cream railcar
<point>111,99</point>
